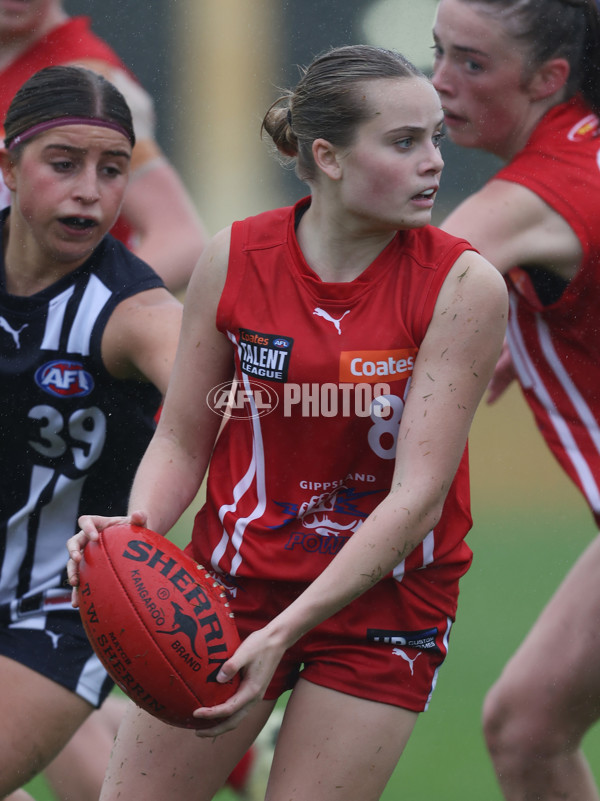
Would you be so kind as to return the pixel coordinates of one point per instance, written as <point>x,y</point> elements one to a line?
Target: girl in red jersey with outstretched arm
<point>336,522</point>
<point>521,79</point>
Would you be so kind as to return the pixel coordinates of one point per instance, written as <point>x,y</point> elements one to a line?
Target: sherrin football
<point>158,622</point>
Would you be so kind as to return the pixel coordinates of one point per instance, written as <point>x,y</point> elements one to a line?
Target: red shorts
<point>385,646</point>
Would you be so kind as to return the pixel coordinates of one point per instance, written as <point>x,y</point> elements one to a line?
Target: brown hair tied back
<point>277,123</point>
<point>326,103</point>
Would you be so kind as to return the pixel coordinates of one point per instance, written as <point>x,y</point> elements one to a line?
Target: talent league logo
<point>64,379</point>
<point>265,356</point>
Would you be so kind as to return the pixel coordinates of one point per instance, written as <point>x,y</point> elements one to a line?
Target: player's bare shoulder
<point>143,308</point>
<point>473,301</point>
<point>473,279</point>
<point>141,336</point>
<point>210,273</point>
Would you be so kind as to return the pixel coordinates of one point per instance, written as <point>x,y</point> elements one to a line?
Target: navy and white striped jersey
<point>71,435</point>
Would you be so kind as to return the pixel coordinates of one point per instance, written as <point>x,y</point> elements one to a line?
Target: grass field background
<point>530,525</point>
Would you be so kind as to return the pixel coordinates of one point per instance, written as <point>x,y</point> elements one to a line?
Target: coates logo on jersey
<point>372,366</point>
<point>64,379</point>
<point>584,129</point>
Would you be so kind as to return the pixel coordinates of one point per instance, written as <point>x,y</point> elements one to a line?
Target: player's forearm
<point>387,537</point>
<point>165,484</point>
<point>173,260</point>
<point>170,235</point>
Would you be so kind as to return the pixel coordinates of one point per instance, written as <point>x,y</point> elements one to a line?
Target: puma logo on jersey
<point>326,316</point>
<point>14,332</point>
<point>411,662</point>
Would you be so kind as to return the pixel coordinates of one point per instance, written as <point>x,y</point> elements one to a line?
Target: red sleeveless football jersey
<point>555,347</point>
<point>322,371</point>
<point>69,42</point>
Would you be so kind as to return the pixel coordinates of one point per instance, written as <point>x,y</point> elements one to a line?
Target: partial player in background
<point>337,520</point>
<point>87,338</point>
<point>521,79</point>
<point>158,220</point>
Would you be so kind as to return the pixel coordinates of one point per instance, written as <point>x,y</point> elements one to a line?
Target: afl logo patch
<point>280,343</point>
<point>64,379</point>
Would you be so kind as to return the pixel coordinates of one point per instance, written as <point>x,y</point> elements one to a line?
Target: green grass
<point>520,557</point>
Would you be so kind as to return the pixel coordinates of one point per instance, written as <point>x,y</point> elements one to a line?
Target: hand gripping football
<point>158,622</point>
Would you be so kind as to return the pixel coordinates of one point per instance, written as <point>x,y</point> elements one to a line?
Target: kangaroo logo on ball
<point>183,624</point>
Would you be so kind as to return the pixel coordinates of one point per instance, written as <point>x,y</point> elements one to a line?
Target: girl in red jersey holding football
<point>361,340</point>
<point>521,79</point>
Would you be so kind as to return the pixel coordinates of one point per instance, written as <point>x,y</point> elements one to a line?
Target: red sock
<point>239,775</point>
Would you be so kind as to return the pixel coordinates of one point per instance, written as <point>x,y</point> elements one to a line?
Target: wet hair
<point>328,102</point>
<point>547,29</point>
<point>65,93</point>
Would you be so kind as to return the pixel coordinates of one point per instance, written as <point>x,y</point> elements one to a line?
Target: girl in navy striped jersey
<point>87,338</point>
